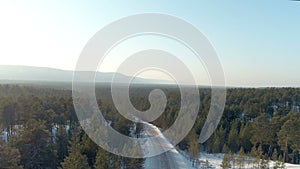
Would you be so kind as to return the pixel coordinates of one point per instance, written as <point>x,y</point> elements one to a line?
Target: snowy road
<point>171,159</point>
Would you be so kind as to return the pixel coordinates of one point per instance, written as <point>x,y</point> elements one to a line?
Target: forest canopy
<point>40,128</point>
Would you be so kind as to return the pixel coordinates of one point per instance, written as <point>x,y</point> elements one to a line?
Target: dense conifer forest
<point>40,128</point>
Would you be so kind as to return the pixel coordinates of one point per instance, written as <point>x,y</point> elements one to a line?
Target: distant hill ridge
<point>29,73</point>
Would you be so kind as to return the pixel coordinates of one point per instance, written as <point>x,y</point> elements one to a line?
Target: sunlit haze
<point>257,42</point>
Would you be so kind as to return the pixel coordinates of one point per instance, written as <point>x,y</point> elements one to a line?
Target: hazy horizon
<point>257,45</point>
<point>147,80</point>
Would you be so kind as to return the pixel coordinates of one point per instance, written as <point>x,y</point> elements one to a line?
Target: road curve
<point>171,159</point>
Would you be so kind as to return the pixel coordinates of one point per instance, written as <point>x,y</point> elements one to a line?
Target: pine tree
<point>264,132</point>
<point>194,150</point>
<point>75,159</point>
<point>232,137</point>
<point>9,157</point>
<point>245,134</point>
<point>89,148</point>
<point>289,135</point>
<point>241,158</point>
<point>226,162</point>
<point>259,157</point>
<point>281,163</point>
<point>216,145</point>
<point>253,152</point>
<point>102,159</point>
<point>36,147</point>
<point>256,153</point>
<point>225,149</point>
<point>232,159</point>
<point>276,164</point>
<point>275,155</point>
<point>61,143</point>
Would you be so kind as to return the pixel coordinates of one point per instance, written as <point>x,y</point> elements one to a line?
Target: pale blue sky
<point>258,42</point>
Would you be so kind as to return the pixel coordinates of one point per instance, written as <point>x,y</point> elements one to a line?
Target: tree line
<point>42,131</point>
<point>263,120</point>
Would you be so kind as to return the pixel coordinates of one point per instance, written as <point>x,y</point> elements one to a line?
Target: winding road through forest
<point>171,159</point>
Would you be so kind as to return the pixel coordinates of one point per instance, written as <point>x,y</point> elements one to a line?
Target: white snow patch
<point>215,161</point>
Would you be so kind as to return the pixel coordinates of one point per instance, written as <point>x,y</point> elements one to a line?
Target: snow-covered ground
<point>176,159</point>
<point>4,136</point>
<point>215,161</point>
